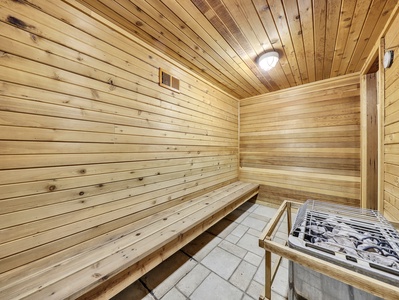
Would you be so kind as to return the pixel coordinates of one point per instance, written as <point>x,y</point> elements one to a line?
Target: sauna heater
<point>358,239</point>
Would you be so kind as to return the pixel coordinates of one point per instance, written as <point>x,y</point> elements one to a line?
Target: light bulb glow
<point>268,60</point>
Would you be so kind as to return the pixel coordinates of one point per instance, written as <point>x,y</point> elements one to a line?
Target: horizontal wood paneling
<point>304,142</point>
<point>89,142</point>
<point>391,127</point>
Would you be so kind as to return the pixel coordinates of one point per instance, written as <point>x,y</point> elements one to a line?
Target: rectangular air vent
<point>168,81</point>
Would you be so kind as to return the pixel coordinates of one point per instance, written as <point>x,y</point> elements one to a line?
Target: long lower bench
<point>105,270</point>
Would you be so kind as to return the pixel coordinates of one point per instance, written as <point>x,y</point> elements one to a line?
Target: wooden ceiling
<point>221,39</point>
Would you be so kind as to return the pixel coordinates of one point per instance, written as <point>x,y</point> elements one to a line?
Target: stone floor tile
<point>260,273</point>
<point>201,246</point>
<point>280,282</point>
<point>234,249</point>
<point>135,291</point>
<point>264,210</point>
<point>240,230</point>
<point>254,232</point>
<point>215,288</point>
<point>174,294</point>
<point>282,225</point>
<point>237,215</point>
<point>193,279</point>
<point>221,262</point>
<point>276,296</point>
<point>253,259</point>
<point>254,223</point>
<point>165,276</point>
<point>260,217</point>
<point>281,236</point>
<point>255,289</point>
<point>246,297</point>
<point>222,228</point>
<point>251,243</point>
<point>242,276</point>
<point>232,239</point>
<point>280,240</point>
<point>282,232</point>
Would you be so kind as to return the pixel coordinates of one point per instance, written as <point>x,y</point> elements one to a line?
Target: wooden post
<point>268,275</point>
<point>381,123</point>
<point>272,224</point>
<point>369,141</point>
<point>289,221</point>
<point>266,236</point>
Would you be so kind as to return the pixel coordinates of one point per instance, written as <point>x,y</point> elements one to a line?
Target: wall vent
<point>168,81</point>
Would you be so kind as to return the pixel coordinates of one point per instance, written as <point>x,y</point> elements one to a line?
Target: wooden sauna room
<point>131,127</point>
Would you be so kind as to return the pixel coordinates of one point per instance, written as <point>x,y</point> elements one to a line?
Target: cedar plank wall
<point>303,142</point>
<point>391,126</point>
<point>88,138</point>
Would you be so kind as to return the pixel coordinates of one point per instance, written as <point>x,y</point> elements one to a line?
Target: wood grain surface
<point>304,142</point>
<point>89,141</point>
<point>222,40</point>
<point>390,168</point>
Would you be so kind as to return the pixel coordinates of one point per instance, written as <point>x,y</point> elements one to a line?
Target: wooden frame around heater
<point>360,281</point>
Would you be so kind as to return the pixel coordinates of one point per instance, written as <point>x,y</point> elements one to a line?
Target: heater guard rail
<point>363,282</point>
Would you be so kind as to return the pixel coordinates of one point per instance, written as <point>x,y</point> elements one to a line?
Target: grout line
<point>148,289</point>
<point>197,263</point>
<point>191,257</point>
<point>175,286</point>
<point>210,272</point>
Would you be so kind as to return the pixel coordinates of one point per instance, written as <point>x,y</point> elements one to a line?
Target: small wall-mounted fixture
<point>268,60</point>
<point>388,58</point>
<point>168,81</point>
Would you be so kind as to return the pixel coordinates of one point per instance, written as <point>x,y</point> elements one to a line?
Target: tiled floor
<point>225,262</point>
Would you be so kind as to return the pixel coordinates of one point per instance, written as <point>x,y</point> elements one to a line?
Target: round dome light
<point>268,60</point>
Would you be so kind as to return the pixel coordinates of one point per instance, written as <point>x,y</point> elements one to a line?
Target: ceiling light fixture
<point>268,60</point>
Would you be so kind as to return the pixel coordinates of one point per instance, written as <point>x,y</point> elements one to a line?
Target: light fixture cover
<point>388,59</point>
<point>268,60</point>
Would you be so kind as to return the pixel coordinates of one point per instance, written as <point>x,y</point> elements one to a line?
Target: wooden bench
<point>130,252</point>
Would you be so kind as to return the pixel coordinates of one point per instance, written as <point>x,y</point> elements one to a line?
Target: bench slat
<point>122,280</point>
<point>136,227</point>
<point>47,254</point>
<point>80,273</point>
